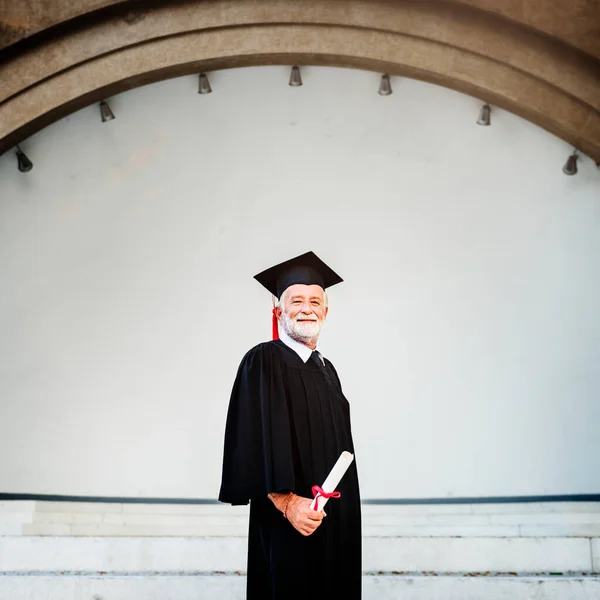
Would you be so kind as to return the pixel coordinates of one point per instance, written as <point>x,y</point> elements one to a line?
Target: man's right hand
<point>302,517</point>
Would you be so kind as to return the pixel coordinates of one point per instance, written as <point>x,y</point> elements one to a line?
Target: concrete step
<point>209,529</point>
<point>151,520</point>
<point>220,554</point>
<point>232,587</point>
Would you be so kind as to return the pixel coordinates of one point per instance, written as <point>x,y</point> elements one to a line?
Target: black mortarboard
<point>307,268</point>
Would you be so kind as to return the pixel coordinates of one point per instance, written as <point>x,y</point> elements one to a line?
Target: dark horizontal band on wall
<point>380,501</point>
<point>555,575</point>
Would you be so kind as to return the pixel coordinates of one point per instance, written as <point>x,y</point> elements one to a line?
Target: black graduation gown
<point>287,425</point>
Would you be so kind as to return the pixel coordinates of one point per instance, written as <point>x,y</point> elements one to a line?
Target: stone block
<point>595,553</point>
<point>546,518</point>
<point>565,530</point>
<point>14,516</point>
<point>417,509</point>
<point>77,507</point>
<point>21,506</point>
<point>466,555</point>
<point>43,529</point>
<point>426,531</point>
<point>185,509</point>
<point>534,507</point>
<point>150,530</point>
<point>67,517</point>
<point>432,519</point>
<point>11,529</point>
<point>175,519</point>
<point>123,554</point>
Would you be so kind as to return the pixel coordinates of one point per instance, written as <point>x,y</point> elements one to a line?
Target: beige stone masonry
<point>521,60</point>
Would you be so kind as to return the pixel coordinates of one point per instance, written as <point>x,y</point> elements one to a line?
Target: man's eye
<point>316,303</point>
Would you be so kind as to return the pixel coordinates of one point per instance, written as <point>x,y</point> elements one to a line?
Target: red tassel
<point>275,329</point>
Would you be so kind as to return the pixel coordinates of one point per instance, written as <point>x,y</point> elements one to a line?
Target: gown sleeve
<point>257,456</point>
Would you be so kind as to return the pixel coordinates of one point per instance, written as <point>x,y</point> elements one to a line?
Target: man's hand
<point>303,518</point>
<point>298,512</point>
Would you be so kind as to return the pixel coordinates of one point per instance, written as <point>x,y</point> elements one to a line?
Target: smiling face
<point>302,311</point>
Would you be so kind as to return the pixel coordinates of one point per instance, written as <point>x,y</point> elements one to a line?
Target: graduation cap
<point>307,268</point>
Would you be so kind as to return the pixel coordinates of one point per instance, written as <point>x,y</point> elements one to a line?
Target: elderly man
<point>288,423</point>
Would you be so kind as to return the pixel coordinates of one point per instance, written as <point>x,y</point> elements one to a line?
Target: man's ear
<point>326,311</point>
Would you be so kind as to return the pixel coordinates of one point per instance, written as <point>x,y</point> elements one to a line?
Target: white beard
<point>301,331</point>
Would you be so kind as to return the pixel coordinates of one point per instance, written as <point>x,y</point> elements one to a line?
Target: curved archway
<point>544,79</point>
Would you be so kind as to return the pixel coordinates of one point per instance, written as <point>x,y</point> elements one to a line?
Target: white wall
<point>466,333</point>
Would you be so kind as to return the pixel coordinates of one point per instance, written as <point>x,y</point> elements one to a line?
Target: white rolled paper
<point>334,477</point>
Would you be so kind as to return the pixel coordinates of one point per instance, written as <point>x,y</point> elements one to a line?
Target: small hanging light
<point>295,77</point>
<point>570,167</point>
<point>204,84</point>
<point>25,165</point>
<point>105,112</point>
<point>485,115</point>
<point>385,87</point>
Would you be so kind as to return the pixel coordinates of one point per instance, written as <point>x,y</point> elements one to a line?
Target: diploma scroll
<point>334,477</point>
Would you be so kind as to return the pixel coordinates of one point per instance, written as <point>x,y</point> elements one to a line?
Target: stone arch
<point>98,48</point>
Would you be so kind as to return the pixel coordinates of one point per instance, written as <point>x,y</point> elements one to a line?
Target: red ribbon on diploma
<point>319,492</point>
